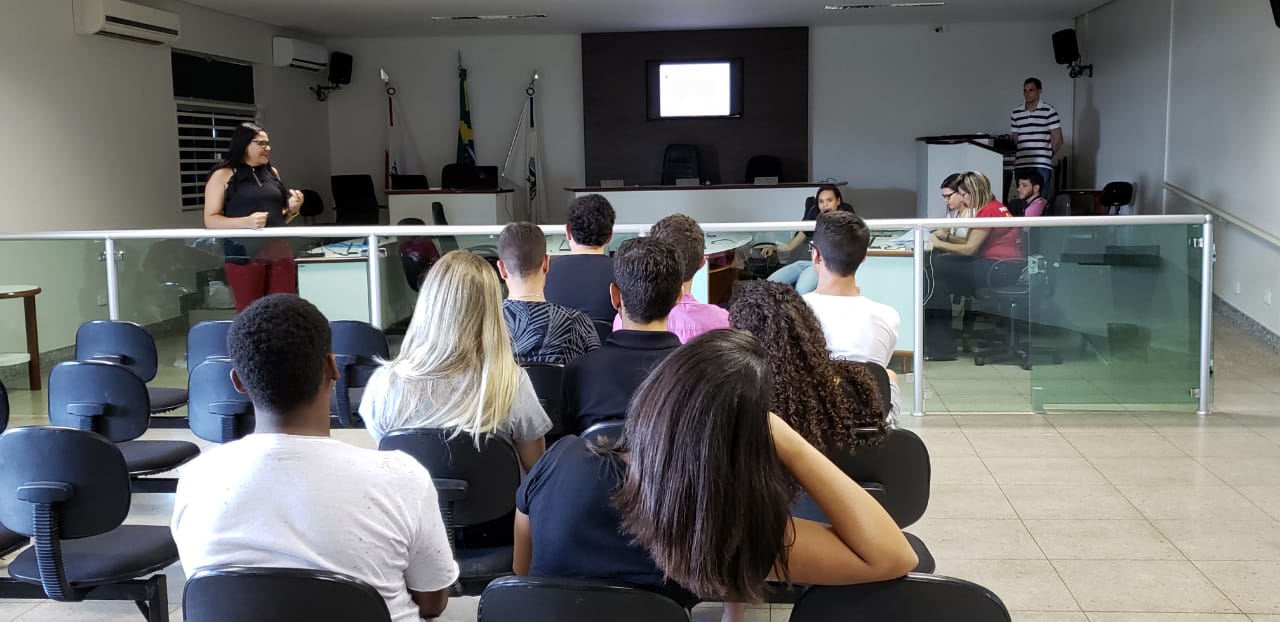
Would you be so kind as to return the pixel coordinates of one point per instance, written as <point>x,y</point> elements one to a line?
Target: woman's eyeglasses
<point>262,143</point>
<point>946,196</point>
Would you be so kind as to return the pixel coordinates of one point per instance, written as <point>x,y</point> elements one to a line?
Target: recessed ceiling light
<point>446,18</point>
<point>893,5</point>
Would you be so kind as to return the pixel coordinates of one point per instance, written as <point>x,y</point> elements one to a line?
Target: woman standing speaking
<point>245,192</point>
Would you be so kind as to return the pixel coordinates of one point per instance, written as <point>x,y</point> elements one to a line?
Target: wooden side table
<point>28,295</point>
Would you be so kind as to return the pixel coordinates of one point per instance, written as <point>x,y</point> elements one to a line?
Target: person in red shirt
<point>961,260</point>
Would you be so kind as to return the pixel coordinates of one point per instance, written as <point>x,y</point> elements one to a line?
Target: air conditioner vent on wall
<point>125,20</point>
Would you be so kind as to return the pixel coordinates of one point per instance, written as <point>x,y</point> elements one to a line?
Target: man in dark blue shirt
<point>580,280</point>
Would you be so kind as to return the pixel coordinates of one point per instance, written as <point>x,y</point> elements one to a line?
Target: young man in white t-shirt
<point>857,328</point>
<point>288,496</point>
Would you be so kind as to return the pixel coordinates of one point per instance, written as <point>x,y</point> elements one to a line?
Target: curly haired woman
<point>824,413</point>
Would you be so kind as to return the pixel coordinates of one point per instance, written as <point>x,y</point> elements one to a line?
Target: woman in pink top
<point>961,264</point>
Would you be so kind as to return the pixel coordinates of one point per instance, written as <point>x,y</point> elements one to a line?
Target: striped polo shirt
<point>1033,130</point>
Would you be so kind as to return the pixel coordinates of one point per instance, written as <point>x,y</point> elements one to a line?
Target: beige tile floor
<point>1141,516</point>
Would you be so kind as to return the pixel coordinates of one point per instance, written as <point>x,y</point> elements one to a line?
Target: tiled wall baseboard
<point>1249,325</point>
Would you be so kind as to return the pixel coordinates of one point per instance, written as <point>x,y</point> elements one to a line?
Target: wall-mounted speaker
<point>339,68</point>
<point>1065,50</point>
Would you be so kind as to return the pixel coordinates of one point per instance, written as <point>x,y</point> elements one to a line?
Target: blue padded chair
<point>216,410</point>
<point>206,340</point>
<point>913,598</point>
<point>129,345</point>
<point>356,344</point>
<point>68,490</point>
<point>547,379</point>
<point>545,599</point>
<point>603,431</point>
<point>9,541</point>
<point>475,486</point>
<point>108,399</point>
<point>239,593</point>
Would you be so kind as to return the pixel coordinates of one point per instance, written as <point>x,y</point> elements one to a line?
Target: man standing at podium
<point>1037,131</point>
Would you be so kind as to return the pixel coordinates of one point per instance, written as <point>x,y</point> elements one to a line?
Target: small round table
<point>28,295</point>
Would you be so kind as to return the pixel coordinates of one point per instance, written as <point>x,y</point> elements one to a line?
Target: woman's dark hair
<point>805,392</point>
<point>828,187</point>
<point>954,182</point>
<point>240,139</point>
<point>705,492</point>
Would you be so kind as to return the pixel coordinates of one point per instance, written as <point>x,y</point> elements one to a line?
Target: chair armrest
<point>118,359</point>
<point>877,492</point>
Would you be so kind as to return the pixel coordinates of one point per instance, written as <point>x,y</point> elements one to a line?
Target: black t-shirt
<point>251,190</point>
<point>576,531</point>
<point>598,385</point>
<point>582,282</point>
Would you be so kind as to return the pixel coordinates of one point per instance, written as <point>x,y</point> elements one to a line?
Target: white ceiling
<point>401,18</point>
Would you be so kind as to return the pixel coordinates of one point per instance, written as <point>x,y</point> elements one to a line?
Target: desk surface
<point>450,191</point>
<point>802,184</point>
<point>18,291</point>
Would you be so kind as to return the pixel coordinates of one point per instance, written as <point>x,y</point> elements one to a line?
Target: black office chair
<point>9,541</point>
<point>217,411</point>
<point>604,432</point>
<point>312,206</point>
<point>68,490</point>
<point>679,162</point>
<point>1116,195</point>
<point>763,166</point>
<point>205,341</point>
<point>409,182</point>
<point>245,594</point>
<point>913,598</point>
<point>604,328</point>
<point>895,472</point>
<point>546,379</point>
<point>356,346</point>
<point>1012,289</point>
<point>108,399</point>
<point>881,376</point>
<point>354,200</point>
<point>417,254</point>
<point>545,599</point>
<point>131,346</point>
<point>475,486</point>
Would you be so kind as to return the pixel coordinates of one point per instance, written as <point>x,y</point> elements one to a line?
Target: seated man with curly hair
<point>580,280</point>
<point>288,496</point>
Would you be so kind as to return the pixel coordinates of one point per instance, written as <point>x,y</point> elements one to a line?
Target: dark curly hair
<point>805,392</point>
<point>590,220</point>
<point>278,346</point>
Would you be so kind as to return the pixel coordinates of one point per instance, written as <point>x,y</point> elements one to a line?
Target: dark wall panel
<point>622,143</point>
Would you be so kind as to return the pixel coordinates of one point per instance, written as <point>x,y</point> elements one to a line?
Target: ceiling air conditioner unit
<point>125,20</point>
<point>287,52</point>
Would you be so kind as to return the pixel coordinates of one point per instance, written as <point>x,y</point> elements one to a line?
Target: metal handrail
<point>1220,213</point>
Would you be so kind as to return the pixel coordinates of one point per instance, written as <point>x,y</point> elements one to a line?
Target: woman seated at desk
<point>800,273</point>
<point>961,259</point>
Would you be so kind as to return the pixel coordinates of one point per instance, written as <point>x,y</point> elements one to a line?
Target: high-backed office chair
<point>1116,195</point>
<point>130,346</point>
<point>410,182</point>
<point>9,541</point>
<point>913,598</point>
<point>543,599</point>
<point>679,162</point>
<point>354,200</point>
<point>217,411</point>
<point>1013,288</point>
<point>896,472</point>
<point>357,346</point>
<point>312,206</point>
<point>108,399</point>
<point>546,379</point>
<point>417,254</point>
<point>227,593</point>
<point>763,166</point>
<point>68,490</point>
<point>475,486</point>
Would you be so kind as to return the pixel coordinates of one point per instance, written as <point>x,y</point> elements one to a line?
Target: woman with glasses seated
<point>694,501</point>
<point>800,273</point>
<point>244,191</point>
<point>961,259</point>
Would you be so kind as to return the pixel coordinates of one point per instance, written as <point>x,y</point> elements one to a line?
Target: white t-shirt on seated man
<point>857,328</point>
<point>288,496</point>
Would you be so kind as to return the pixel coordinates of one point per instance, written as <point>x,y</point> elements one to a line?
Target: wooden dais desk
<point>28,295</point>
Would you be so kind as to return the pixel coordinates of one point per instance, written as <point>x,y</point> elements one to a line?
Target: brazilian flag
<point>466,140</point>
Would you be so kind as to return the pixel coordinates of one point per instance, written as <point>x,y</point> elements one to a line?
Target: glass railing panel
<point>72,282</point>
<point>1120,307</point>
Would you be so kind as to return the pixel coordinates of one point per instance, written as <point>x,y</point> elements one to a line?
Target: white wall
<point>424,71</point>
<point>876,88</point>
<point>1212,69</point>
<point>91,144</point>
